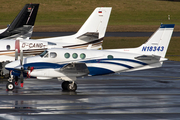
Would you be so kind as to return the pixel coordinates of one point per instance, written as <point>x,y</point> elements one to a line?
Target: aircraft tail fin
<point>96,23</point>
<point>158,43</point>
<point>22,25</point>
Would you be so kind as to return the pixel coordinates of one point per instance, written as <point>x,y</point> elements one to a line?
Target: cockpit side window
<point>44,53</point>
<point>53,54</point>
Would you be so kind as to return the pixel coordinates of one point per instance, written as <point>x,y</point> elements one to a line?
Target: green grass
<point>126,15</point>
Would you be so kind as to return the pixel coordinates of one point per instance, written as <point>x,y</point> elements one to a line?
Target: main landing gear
<point>69,86</point>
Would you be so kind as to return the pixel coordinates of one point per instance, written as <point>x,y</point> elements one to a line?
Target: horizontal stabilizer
<point>150,66</point>
<point>148,57</point>
<point>89,35</point>
<point>75,69</point>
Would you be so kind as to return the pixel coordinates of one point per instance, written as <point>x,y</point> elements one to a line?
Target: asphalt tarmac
<point>149,94</point>
<point>108,34</point>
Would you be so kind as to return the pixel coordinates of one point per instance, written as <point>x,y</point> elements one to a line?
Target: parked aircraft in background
<point>68,64</point>
<point>20,28</point>
<point>22,25</point>
<point>89,36</point>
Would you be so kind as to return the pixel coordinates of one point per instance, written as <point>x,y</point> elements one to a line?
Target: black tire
<point>74,88</point>
<point>10,86</point>
<point>65,85</point>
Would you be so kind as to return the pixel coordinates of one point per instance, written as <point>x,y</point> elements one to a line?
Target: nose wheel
<point>69,86</point>
<point>10,86</point>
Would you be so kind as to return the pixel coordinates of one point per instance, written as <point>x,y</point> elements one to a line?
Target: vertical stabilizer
<point>22,25</point>
<point>158,43</point>
<point>97,22</point>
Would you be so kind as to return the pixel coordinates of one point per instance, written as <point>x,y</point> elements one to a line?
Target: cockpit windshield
<point>43,53</point>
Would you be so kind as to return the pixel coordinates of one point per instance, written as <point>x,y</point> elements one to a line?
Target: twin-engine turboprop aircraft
<point>68,64</point>
<point>90,35</point>
<point>22,25</point>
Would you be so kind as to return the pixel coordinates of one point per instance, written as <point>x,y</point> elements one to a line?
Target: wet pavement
<point>149,94</point>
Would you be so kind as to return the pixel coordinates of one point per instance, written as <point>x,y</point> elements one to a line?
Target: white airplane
<point>22,26</point>
<point>89,36</point>
<point>68,64</point>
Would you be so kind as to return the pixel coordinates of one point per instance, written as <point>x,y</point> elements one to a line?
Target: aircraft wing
<point>75,70</point>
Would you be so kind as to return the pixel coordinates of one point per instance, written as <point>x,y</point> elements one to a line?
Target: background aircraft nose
<point>11,65</point>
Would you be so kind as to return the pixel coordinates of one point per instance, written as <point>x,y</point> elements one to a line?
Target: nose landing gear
<point>10,86</point>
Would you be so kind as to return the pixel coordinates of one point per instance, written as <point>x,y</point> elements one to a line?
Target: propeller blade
<point>21,57</point>
<point>22,69</point>
<point>16,54</point>
<point>30,69</point>
<point>22,78</point>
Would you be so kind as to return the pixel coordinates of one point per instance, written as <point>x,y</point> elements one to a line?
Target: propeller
<point>16,58</point>
<point>22,68</point>
<point>16,54</point>
<point>30,69</point>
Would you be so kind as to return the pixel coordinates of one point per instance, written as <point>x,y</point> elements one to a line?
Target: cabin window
<point>8,47</point>
<point>66,55</point>
<point>110,57</point>
<point>51,43</point>
<point>53,54</point>
<point>74,55</point>
<point>82,56</point>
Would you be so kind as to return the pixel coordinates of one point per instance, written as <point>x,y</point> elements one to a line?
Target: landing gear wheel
<point>70,86</point>
<point>10,86</point>
<point>64,85</point>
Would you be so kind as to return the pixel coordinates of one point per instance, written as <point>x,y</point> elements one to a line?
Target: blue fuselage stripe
<point>93,70</point>
<point>127,66</point>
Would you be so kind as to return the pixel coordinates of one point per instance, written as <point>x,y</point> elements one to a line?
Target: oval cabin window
<point>82,56</point>
<point>110,57</point>
<point>66,55</point>
<point>8,47</point>
<point>74,55</point>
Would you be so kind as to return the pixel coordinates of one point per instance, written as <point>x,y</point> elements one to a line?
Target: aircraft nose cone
<point>8,66</point>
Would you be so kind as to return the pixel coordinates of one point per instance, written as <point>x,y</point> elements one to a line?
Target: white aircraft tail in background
<point>96,23</point>
<point>91,33</point>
